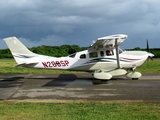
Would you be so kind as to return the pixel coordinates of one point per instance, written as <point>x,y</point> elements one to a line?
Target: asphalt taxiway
<point>78,87</point>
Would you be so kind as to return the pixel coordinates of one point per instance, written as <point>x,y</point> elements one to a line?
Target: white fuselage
<point>85,61</point>
<point>104,59</point>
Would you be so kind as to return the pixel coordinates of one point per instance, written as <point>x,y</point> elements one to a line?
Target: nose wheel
<point>134,75</point>
<point>135,78</point>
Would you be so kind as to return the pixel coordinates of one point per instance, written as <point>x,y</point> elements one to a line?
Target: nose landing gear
<point>134,75</point>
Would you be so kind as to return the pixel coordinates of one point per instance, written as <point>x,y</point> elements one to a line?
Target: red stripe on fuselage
<point>129,59</point>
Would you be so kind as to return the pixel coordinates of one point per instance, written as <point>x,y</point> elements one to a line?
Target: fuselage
<point>104,59</point>
<point>90,61</point>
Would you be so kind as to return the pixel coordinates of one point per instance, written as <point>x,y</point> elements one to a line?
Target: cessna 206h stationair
<point>104,59</point>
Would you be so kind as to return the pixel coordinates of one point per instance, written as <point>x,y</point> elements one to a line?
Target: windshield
<point>120,50</point>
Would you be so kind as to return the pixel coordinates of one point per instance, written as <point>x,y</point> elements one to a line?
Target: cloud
<point>80,22</point>
<point>48,40</point>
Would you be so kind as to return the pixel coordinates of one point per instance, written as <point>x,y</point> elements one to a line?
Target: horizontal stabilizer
<point>26,64</point>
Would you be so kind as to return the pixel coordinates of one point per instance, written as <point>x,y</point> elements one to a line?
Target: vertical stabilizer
<point>18,50</point>
<point>16,46</point>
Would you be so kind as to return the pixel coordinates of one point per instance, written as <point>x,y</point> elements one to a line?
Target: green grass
<point>76,111</point>
<point>150,66</point>
<point>92,111</point>
<point>8,66</point>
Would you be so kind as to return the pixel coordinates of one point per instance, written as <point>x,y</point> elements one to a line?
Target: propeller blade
<point>150,55</point>
<point>147,46</point>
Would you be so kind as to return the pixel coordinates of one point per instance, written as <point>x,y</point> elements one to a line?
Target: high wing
<point>108,42</point>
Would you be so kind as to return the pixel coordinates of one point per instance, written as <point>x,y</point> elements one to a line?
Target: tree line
<point>64,50</point>
<point>56,51</point>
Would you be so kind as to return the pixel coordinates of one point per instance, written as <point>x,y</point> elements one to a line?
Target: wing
<point>108,42</point>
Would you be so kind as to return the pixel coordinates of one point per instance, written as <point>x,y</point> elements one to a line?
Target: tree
<point>137,48</point>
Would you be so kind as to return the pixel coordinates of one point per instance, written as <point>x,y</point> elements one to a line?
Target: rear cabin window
<point>93,54</point>
<point>83,56</point>
<point>101,53</point>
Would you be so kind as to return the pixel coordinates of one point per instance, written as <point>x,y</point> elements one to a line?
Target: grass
<point>8,66</point>
<point>91,111</point>
<point>76,111</point>
<point>150,66</point>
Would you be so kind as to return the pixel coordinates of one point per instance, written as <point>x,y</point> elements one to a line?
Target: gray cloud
<point>53,22</point>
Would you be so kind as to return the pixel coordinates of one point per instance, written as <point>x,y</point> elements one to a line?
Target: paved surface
<point>78,87</point>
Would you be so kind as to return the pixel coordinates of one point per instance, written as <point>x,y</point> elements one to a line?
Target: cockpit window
<point>109,52</point>
<point>120,50</point>
<point>72,55</point>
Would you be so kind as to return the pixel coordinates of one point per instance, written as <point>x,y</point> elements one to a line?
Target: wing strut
<point>117,53</point>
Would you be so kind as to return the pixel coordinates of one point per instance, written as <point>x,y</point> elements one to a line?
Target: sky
<point>80,22</point>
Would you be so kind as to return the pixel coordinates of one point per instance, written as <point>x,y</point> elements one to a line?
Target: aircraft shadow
<point>72,79</point>
<point>61,80</point>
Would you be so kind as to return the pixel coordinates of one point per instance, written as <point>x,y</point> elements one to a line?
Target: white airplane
<point>104,59</point>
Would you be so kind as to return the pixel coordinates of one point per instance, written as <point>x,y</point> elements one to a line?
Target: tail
<point>18,50</point>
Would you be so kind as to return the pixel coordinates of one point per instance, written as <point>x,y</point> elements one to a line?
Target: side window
<point>109,52</point>
<point>83,56</point>
<point>101,53</point>
<point>93,54</point>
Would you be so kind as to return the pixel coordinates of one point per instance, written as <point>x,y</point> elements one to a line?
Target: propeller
<point>150,55</point>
